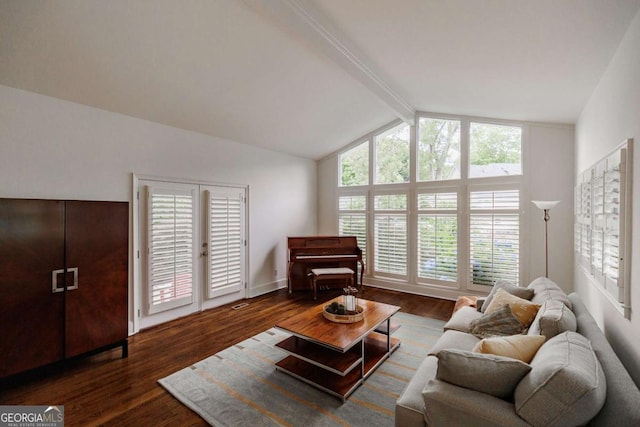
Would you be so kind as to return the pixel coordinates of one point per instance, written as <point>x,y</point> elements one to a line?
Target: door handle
<point>75,285</point>
<point>54,281</point>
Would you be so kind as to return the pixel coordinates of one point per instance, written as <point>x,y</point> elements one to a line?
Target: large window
<point>445,202</point>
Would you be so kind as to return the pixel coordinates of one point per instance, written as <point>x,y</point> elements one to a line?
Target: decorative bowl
<point>348,317</point>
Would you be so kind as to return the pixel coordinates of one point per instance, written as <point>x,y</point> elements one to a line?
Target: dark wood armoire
<point>63,280</point>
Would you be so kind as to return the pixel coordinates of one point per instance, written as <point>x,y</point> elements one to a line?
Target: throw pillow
<point>464,301</point>
<point>566,384</point>
<point>521,347</point>
<point>511,288</point>
<point>498,322</point>
<point>552,319</point>
<point>524,310</point>
<point>494,375</point>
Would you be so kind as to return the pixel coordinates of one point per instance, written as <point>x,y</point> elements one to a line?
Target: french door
<point>193,248</point>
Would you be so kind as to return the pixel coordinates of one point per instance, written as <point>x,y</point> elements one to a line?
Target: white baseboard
<point>266,288</point>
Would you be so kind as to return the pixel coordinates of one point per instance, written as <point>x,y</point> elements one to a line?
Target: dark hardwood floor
<point>106,390</point>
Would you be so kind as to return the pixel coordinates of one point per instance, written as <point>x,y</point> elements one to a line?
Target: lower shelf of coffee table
<point>325,378</point>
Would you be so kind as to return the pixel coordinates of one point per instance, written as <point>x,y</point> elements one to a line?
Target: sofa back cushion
<point>553,318</point>
<point>566,385</point>
<point>545,289</point>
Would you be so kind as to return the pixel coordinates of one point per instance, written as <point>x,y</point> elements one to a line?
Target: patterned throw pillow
<point>524,310</point>
<point>499,322</point>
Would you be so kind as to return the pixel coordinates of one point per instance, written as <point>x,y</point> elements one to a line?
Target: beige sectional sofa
<point>573,378</point>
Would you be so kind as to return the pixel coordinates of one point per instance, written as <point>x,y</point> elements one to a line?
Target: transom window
<point>392,155</point>
<point>438,149</point>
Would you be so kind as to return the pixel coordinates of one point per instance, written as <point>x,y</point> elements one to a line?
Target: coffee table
<point>337,357</point>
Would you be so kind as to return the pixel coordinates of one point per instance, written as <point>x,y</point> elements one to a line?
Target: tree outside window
<point>438,149</point>
<point>392,155</point>
<point>354,166</point>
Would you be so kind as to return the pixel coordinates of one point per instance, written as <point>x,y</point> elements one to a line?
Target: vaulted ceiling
<point>307,77</point>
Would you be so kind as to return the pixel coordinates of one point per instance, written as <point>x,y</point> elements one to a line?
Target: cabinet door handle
<point>73,270</point>
<point>54,281</point>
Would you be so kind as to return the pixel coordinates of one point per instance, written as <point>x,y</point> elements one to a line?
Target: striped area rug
<point>239,386</point>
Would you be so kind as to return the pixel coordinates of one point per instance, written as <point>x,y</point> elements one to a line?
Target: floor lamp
<point>546,207</point>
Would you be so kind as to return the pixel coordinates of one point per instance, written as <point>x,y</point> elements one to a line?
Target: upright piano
<point>306,253</point>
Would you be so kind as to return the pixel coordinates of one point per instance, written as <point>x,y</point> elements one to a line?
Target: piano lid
<point>323,242</point>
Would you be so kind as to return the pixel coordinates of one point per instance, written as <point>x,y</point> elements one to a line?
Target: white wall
<point>549,162</point>
<point>55,149</point>
<point>611,115</point>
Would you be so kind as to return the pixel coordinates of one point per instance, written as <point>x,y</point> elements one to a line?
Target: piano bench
<point>330,274</point>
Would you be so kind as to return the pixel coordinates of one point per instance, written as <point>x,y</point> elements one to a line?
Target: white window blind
<point>438,236</point>
<point>225,241</point>
<point>170,247</point>
<point>494,234</point>
<point>390,234</point>
<point>352,219</point>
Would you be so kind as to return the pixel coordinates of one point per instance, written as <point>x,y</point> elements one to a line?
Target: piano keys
<point>306,253</point>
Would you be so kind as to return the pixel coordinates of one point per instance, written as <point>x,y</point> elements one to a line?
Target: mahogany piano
<point>307,253</point>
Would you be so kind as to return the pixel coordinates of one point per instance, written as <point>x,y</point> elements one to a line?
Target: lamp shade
<point>545,204</point>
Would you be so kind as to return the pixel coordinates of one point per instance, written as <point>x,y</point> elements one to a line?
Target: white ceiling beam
<point>303,19</point>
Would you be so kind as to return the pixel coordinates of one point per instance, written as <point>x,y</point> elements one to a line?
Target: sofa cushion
<point>462,318</point>
<point>454,340</point>
<point>545,289</point>
<point>566,385</point>
<point>486,373</point>
<point>553,318</point>
<point>521,347</point>
<point>522,309</point>
<point>498,322</point>
<point>511,288</point>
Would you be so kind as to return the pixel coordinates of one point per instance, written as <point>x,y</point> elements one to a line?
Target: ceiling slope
<point>306,77</point>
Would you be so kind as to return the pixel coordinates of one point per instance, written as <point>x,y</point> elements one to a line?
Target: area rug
<point>239,386</point>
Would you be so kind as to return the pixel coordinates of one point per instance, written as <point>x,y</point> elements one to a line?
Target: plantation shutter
<point>494,233</point>
<point>352,219</point>
<point>170,247</point>
<point>225,273</point>
<point>438,236</point>
<point>390,234</point>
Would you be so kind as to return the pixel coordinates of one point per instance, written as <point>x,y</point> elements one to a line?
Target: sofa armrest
<point>447,404</point>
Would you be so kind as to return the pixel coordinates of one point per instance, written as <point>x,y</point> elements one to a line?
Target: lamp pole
<point>546,243</point>
<point>546,207</point>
